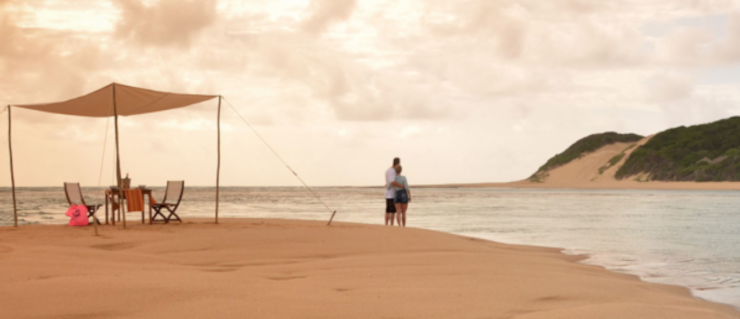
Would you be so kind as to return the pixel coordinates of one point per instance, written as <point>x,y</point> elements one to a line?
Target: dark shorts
<point>402,197</point>
<point>390,206</point>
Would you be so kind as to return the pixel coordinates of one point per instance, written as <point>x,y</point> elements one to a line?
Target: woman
<point>403,197</point>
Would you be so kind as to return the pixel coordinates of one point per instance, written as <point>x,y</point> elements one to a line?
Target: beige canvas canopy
<point>121,99</point>
<point>114,100</point>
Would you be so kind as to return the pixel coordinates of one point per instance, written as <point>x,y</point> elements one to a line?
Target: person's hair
<point>396,161</point>
<point>398,169</point>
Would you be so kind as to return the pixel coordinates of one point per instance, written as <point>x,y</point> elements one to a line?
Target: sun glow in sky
<point>462,91</point>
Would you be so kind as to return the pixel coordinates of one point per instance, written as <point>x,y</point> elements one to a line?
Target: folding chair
<point>114,205</point>
<point>172,198</point>
<point>74,197</point>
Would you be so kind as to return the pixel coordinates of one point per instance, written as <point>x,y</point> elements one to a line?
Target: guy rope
<point>282,160</point>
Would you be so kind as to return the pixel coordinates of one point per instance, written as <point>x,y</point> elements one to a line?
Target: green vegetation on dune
<point>614,160</point>
<point>708,152</point>
<point>585,145</point>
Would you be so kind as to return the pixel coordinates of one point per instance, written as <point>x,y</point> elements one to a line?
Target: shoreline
<point>583,258</point>
<point>625,185</point>
<point>341,265</point>
<point>524,184</point>
<point>690,291</point>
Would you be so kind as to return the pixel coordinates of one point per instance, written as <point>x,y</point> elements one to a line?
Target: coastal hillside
<point>707,152</point>
<point>701,153</point>
<point>614,143</point>
<point>703,156</point>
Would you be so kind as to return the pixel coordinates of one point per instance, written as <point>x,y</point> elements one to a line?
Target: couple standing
<point>397,194</point>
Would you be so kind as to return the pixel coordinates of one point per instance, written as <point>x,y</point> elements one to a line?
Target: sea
<point>685,238</point>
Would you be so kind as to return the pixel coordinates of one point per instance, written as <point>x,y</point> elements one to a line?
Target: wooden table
<point>114,193</point>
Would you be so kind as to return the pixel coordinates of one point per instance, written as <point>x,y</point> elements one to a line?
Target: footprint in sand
<point>552,298</point>
<point>287,278</point>
<point>115,247</point>
<point>224,269</point>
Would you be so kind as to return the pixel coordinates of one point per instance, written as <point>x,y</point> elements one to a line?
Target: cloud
<point>685,46</point>
<point>729,48</point>
<point>495,72</point>
<point>506,22</point>
<point>166,22</point>
<point>684,102</point>
<point>663,88</point>
<point>343,82</point>
<point>324,13</point>
<point>40,64</point>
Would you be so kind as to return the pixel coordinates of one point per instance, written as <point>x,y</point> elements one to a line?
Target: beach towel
<point>78,215</point>
<point>135,200</point>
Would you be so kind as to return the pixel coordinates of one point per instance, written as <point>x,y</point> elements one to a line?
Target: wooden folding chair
<point>114,206</point>
<point>172,198</point>
<point>74,197</point>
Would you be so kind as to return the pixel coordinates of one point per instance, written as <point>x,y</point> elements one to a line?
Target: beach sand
<point>251,268</point>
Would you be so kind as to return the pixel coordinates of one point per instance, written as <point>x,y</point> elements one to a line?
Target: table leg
<point>120,208</point>
<point>106,210</point>
<point>112,210</point>
<point>150,208</point>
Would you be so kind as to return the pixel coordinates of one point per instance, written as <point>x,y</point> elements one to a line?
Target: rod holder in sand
<point>332,218</point>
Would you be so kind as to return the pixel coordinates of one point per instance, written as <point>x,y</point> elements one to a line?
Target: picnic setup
<point>134,202</point>
<point>116,100</point>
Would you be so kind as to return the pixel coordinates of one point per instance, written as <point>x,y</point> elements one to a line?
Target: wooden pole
<point>218,165</point>
<point>12,174</point>
<point>95,222</point>
<point>118,158</point>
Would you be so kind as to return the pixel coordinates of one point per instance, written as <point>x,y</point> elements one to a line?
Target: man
<point>390,179</point>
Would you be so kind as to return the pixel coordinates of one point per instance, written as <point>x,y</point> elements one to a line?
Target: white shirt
<point>390,177</point>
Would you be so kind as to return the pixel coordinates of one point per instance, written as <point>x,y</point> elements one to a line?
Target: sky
<point>461,91</point>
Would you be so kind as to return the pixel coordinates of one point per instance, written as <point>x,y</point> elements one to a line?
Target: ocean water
<point>686,238</point>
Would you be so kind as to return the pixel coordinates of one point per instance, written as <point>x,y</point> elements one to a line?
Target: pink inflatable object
<point>78,215</point>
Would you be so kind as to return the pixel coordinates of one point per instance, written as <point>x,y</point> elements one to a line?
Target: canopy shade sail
<point>129,100</point>
<point>116,100</point>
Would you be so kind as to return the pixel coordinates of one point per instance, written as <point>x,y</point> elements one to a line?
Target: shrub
<point>674,155</point>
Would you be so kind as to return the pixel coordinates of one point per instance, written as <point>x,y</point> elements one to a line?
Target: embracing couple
<point>397,194</point>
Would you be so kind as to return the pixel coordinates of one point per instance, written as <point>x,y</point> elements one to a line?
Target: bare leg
<point>402,218</point>
<point>398,213</point>
<point>388,218</point>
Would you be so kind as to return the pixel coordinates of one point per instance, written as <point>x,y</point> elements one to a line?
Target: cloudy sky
<point>462,91</point>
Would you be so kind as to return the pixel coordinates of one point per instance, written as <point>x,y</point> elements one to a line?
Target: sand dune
<point>300,269</point>
<point>609,173</point>
<point>584,173</point>
<point>586,168</point>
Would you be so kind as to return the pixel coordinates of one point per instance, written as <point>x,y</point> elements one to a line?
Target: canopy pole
<point>218,165</point>
<point>12,174</point>
<point>118,159</point>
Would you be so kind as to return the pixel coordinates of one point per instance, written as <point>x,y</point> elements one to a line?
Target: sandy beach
<point>251,268</point>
